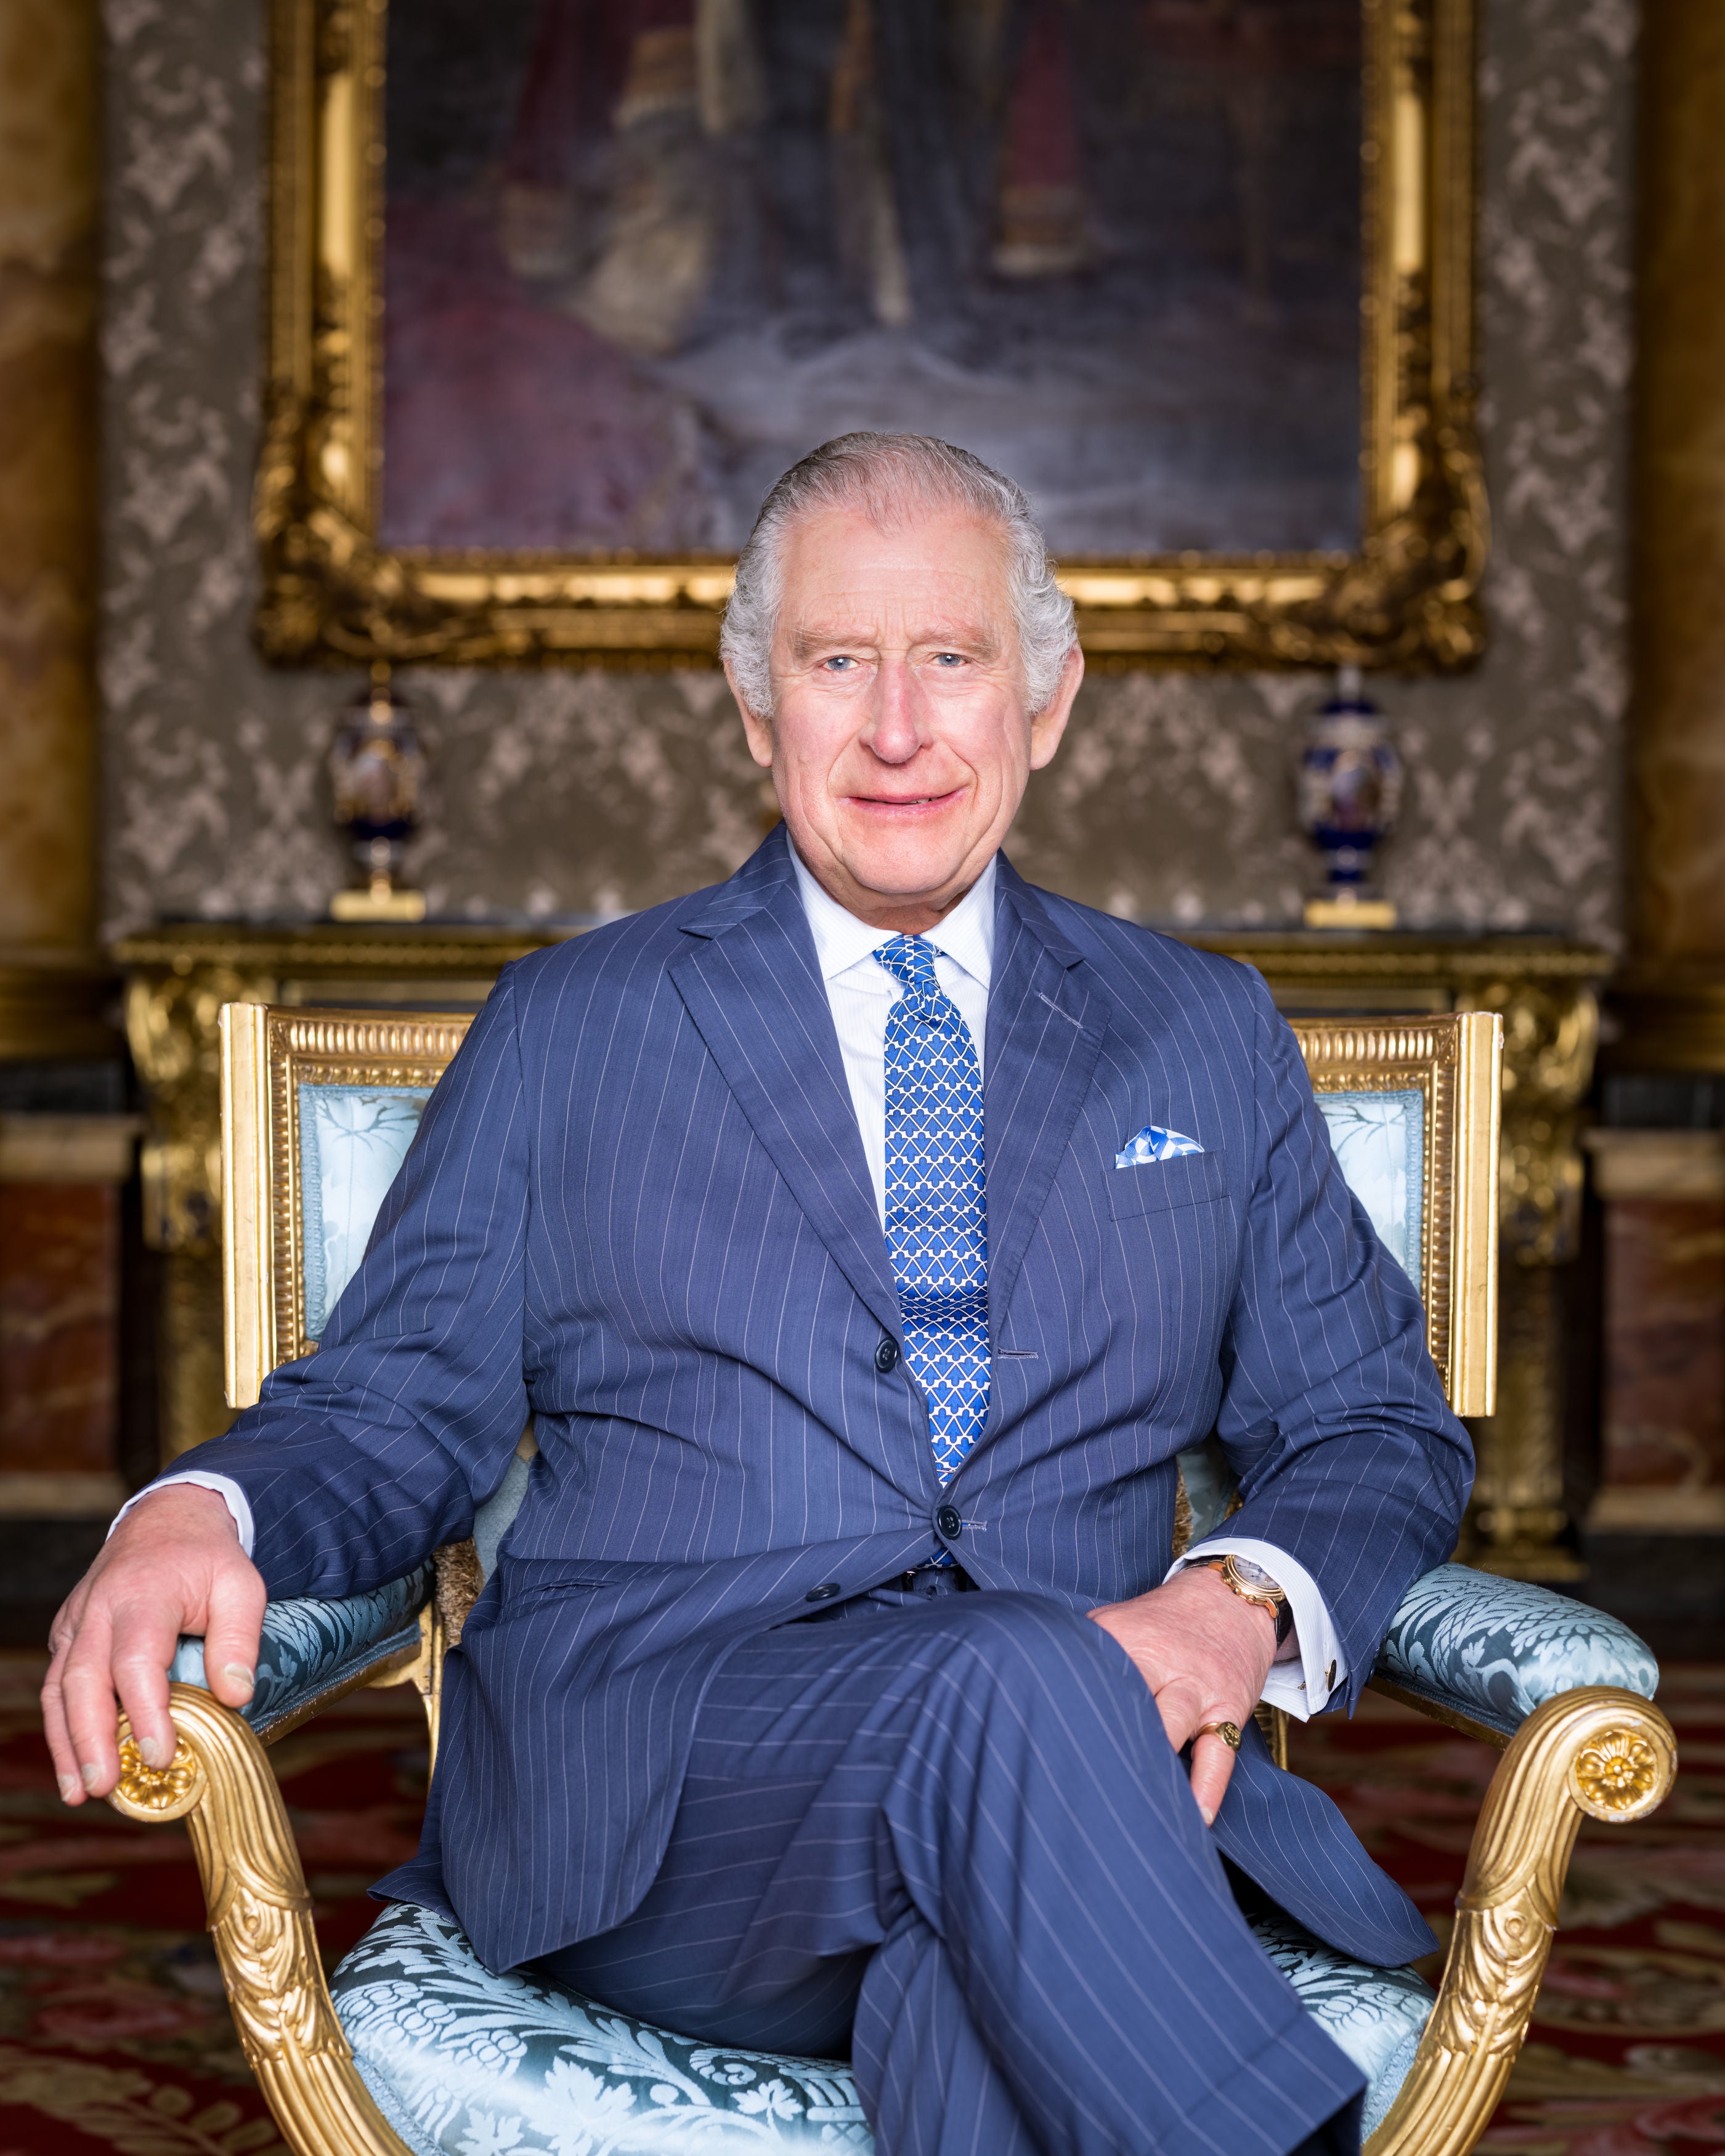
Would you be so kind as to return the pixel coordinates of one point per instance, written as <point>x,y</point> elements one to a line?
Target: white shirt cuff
<point>1309,1664</point>
<point>230,1493</point>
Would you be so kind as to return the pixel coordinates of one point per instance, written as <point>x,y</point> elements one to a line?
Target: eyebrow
<point>806,643</point>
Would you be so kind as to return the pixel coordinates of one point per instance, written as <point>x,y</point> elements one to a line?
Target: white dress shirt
<point>860,991</point>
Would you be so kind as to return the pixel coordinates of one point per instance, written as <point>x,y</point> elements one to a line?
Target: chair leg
<point>220,1783</point>
<point>1598,1751</point>
<point>425,1673</point>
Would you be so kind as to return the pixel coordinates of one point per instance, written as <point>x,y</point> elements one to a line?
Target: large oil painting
<point>562,286</point>
<point>642,254</point>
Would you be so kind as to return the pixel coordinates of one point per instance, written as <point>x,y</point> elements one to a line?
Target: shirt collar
<point>967,935</point>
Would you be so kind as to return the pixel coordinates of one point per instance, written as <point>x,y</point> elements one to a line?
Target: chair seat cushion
<point>459,2060</point>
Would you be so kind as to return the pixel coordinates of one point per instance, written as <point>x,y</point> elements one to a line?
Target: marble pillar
<point>1663,1421</point>
<point>51,989</point>
<point>60,1179</point>
<point>1673,999</point>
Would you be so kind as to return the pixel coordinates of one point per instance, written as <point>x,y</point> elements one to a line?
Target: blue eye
<point>841,660</point>
<point>948,657</point>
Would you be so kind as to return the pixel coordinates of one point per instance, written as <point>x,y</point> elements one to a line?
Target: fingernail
<point>69,1787</point>
<point>153,1752</point>
<point>91,1775</point>
<point>1206,1814</point>
<point>237,1673</point>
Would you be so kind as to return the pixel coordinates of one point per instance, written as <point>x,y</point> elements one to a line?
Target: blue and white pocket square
<point>1153,1143</point>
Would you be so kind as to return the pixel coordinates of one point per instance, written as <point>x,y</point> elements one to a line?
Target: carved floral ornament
<point>1616,1776</point>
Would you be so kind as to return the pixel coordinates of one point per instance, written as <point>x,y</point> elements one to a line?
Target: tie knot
<point>909,959</point>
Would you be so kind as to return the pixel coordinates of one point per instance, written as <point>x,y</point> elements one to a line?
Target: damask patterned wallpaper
<point>592,792</point>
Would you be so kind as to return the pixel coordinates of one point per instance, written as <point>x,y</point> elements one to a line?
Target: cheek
<point>991,737</point>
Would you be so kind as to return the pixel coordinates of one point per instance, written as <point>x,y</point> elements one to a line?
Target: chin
<point>905,865</point>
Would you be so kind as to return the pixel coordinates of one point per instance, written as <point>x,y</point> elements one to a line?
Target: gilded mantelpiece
<point>178,977</point>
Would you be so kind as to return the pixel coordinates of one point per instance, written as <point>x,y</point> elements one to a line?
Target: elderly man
<point>864,1238</point>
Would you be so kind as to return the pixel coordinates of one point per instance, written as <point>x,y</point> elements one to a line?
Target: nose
<point>895,730</point>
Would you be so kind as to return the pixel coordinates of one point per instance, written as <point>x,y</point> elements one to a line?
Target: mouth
<point>911,804</point>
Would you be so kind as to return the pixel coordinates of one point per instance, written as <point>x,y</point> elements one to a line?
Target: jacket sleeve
<point>1332,1412</point>
<point>361,1458</point>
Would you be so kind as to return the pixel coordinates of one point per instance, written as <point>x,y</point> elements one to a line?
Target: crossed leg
<point>953,1840</point>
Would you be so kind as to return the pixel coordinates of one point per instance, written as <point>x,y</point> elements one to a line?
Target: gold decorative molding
<point>1598,1751</point>
<point>266,1056</point>
<point>259,1913</point>
<point>1551,1030</point>
<point>332,594</point>
<point>1454,1064</point>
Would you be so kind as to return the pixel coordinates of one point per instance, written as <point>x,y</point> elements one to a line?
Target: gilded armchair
<point>413,2047</point>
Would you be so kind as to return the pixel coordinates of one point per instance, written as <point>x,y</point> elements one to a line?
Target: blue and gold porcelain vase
<point>1350,789</point>
<point>376,767</point>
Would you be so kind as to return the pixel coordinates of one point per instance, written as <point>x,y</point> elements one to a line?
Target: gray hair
<point>888,477</point>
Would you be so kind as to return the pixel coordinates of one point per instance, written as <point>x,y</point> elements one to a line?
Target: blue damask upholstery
<point>308,1646</point>
<point>459,2060</point>
<point>1495,1649</point>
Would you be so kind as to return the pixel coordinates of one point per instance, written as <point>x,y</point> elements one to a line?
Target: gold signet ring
<point>1228,1732</point>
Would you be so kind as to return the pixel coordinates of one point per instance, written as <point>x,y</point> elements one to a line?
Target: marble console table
<point>178,977</point>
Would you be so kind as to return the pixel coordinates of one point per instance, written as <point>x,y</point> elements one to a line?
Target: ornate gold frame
<point>1456,1063</point>
<point>332,595</point>
<point>266,1056</point>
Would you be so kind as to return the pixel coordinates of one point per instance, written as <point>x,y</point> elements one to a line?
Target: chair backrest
<point>1413,1106</point>
<point>319,1107</point>
<point>318,1110</point>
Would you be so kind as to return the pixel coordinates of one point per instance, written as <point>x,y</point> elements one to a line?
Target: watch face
<point>1254,1575</point>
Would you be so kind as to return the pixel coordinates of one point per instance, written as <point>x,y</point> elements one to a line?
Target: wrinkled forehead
<point>938,573</point>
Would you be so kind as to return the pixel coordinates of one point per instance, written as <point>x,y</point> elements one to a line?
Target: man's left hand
<point>1204,1651</point>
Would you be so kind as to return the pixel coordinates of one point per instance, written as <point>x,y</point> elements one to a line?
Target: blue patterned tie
<point>937,1220</point>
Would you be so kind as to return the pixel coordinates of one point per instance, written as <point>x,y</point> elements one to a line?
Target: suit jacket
<point>638,1209</point>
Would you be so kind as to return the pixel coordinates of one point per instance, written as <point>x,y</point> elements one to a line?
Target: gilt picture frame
<point>350,577</point>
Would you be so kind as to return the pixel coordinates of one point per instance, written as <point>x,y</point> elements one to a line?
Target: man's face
<point>899,744</point>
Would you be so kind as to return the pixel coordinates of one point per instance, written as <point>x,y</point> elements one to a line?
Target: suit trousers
<point>951,1837</point>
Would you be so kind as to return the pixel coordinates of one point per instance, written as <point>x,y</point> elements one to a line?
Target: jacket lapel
<point>750,982</point>
<point>1044,1036</point>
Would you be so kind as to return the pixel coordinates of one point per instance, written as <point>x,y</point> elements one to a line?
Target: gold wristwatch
<point>1252,1584</point>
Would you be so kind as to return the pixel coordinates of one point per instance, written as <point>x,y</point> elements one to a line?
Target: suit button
<point>823,1593</point>
<point>887,1357</point>
<point>948,1522</point>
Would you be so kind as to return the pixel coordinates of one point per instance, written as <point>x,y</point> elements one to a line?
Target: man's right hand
<point>174,1564</point>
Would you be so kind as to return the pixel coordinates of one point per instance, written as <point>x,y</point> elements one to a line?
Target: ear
<point>756,731</point>
<point>1050,723</point>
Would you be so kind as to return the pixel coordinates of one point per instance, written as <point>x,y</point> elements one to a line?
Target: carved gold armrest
<point>1598,1751</point>
<point>219,1782</point>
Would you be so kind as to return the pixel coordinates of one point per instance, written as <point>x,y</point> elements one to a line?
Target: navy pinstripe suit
<point>639,1210</point>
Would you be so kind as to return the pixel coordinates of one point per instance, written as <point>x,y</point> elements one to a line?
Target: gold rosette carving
<point>1598,1751</point>
<point>220,1782</point>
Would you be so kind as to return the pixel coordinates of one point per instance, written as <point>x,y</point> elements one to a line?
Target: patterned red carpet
<point>113,2034</point>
